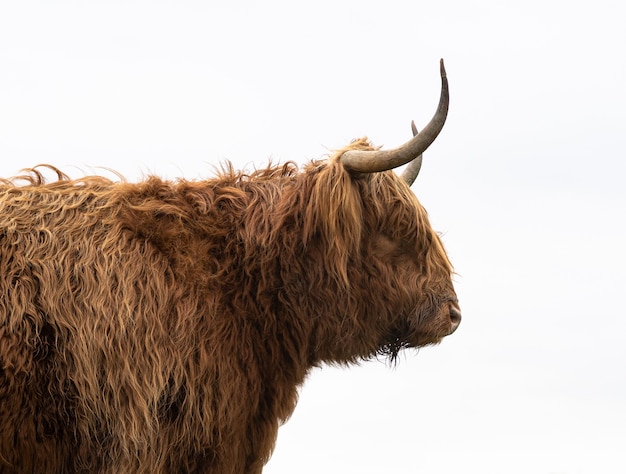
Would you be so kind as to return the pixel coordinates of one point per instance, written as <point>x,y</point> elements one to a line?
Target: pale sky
<point>526,184</point>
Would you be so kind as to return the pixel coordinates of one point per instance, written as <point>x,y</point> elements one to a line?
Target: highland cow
<point>166,326</point>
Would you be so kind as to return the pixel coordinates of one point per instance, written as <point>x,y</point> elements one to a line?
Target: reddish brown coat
<point>165,326</point>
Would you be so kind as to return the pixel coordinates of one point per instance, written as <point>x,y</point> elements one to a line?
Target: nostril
<point>455,316</point>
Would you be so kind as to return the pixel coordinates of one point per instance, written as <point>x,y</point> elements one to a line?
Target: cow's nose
<point>455,318</point>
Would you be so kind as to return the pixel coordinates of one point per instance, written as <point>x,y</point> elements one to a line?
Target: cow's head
<point>392,273</point>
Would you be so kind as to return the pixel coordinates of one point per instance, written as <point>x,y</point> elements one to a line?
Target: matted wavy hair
<point>164,326</point>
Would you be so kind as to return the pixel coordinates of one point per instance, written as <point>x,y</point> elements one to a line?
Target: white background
<point>526,183</point>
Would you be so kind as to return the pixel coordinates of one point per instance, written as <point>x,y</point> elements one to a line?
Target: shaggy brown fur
<point>165,327</point>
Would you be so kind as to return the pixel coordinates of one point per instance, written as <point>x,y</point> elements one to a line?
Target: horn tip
<point>442,68</point>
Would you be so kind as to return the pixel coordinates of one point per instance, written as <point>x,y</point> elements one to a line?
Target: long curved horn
<point>373,161</point>
<point>413,168</point>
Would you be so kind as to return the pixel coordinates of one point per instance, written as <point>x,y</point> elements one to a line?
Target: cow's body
<point>118,302</point>
<point>165,327</point>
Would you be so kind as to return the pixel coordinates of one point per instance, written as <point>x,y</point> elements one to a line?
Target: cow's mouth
<point>434,324</point>
<point>419,330</point>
